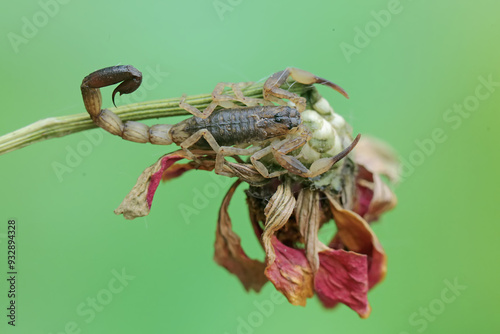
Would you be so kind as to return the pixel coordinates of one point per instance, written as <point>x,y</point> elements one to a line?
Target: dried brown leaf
<point>230,254</point>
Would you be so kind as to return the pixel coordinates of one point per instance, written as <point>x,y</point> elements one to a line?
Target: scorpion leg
<point>259,166</point>
<point>318,167</point>
<point>240,97</point>
<point>230,151</point>
<point>224,100</point>
<point>130,79</point>
<point>220,151</point>
<point>194,138</point>
<point>218,99</point>
<point>273,92</point>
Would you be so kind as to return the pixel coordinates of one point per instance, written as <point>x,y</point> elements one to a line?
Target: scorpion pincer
<point>258,129</point>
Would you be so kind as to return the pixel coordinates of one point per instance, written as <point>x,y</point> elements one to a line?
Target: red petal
<point>356,234</point>
<point>176,171</point>
<point>378,157</point>
<point>166,162</point>
<point>373,196</point>
<point>290,273</point>
<point>342,278</point>
<point>179,169</point>
<point>364,198</point>
<point>138,201</point>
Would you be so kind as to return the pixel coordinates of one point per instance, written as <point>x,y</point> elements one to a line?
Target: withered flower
<point>287,213</point>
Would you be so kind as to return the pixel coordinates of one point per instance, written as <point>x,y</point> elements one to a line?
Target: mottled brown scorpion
<point>257,129</point>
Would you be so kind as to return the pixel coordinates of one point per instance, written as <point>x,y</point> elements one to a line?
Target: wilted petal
<point>374,197</point>
<point>377,157</point>
<point>290,273</point>
<point>357,236</point>
<point>364,196</point>
<point>230,254</point>
<point>179,169</point>
<point>138,202</point>
<point>308,217</point>
<point>277,211</point>
<point>383,199</point>
<point>342,278</point>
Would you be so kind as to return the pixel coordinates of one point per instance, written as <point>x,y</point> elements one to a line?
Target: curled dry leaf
<point>278,211</point>
<point>230,254</point>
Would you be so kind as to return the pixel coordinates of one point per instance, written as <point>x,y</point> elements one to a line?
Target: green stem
<point>54,127</point>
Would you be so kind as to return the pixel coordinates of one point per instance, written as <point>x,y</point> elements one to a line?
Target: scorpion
<point>257,129</point>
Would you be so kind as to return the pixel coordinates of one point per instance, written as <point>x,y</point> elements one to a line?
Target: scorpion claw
<point>273,92</point>
<point>308,78</point>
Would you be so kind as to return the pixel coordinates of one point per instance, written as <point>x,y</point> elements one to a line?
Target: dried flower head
<point>288,212</point>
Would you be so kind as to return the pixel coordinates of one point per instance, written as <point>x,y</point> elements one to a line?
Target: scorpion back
<point>241,125</point>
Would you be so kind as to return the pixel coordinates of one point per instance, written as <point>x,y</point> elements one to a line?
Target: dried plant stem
<point>54,127</point>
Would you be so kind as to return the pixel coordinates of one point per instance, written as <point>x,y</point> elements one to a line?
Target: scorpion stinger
<point>129,77</point>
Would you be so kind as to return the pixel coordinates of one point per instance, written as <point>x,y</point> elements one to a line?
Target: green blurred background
<point>403,76</point>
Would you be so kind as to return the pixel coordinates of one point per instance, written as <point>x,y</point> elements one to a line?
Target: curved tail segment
<point>130,79</point>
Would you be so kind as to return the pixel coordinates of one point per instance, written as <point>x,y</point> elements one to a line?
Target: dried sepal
<point>277,211</point>
<point>230,254</point>
<point>355,233</point>
<point>342,278</point>
<point>290,273</point>
<point>307,216</point>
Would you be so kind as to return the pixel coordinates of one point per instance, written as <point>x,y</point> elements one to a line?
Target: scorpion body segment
<point>238,126</point>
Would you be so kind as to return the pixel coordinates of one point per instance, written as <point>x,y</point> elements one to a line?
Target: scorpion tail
<point>130,79</point>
